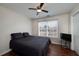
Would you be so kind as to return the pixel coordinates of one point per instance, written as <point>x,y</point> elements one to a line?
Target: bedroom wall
<point>64,25</point>
<point>11,22</point>
<point>75,30</point>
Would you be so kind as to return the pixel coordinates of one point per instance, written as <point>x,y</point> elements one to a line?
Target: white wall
<point>64,24</point>
<point>76,32</point>
<point>11,22</point>
<point>75,29</point>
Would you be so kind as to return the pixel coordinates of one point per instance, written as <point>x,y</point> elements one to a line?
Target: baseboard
<point>5,52</point>
<point>55,43</point>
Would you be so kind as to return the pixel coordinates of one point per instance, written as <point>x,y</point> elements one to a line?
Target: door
<point>76,32</point>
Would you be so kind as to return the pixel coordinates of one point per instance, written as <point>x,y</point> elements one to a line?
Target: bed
<point>28,45</point>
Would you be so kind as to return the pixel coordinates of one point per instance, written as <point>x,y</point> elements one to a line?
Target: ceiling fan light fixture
<point>39,10</point>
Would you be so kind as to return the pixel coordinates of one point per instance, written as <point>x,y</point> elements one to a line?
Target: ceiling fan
<point>39,9</point>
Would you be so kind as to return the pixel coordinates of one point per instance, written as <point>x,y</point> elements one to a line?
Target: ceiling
<point>53,8</point>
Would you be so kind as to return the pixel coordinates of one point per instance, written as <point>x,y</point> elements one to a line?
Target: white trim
<point>5,52</point>
<point>55,43</point>
<point>72,44</point>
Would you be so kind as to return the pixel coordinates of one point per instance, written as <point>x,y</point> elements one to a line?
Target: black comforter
<point>30,45</point>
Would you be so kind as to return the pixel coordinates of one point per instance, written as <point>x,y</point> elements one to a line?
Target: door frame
<point>72,31</point>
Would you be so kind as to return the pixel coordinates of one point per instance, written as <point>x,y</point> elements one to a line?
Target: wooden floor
<point>54,50</point>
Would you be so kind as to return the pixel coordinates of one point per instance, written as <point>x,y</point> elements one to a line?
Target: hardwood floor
<point>54,50</point>
<point>57,50</point>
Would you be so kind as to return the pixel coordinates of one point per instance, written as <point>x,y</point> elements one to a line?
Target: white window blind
<point>48,28</point>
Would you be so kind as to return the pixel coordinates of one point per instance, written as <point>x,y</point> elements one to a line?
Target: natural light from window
<point>48,28</point>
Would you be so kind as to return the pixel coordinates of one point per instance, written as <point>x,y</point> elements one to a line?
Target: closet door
<point>76,31</point>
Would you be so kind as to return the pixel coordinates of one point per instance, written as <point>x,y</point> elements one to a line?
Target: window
<point>48,28</point>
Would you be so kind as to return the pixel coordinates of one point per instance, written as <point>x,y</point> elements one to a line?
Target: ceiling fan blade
<point>41,5</point>
<point>45,11</point>
<point>32,8</point>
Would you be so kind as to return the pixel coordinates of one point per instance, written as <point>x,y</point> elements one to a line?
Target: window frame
<point>47,27</point>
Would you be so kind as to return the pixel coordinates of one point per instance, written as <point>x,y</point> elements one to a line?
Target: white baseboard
<point>55,43</point>
<point>5,52</point>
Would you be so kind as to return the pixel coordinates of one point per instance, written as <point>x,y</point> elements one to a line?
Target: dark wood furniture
<point>65,40</point>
